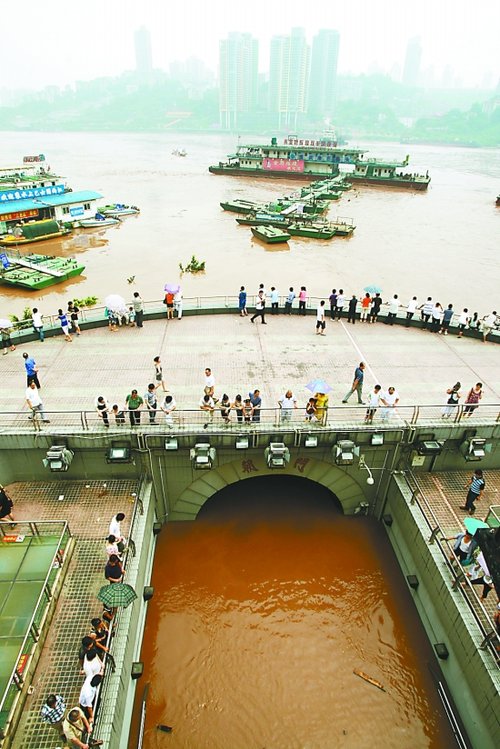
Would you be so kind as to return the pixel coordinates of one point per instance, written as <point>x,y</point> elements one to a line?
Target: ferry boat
<point>34,231</point>
<point>311,230</point>
<point>270,234</point>
<point>36,272</point>
<point>311,159</point>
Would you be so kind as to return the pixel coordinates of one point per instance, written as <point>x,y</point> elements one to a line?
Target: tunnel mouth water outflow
<point>265,607</point>
<point>271,497</point>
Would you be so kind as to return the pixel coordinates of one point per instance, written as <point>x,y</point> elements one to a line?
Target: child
<point>131,317</point>
<point>310,409</point>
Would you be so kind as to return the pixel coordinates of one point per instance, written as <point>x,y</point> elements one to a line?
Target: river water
<point>262,608</point>
<point>443,242</point>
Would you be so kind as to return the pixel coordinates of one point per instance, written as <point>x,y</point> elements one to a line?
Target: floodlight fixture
<point>377,439</point>
<point>242,443</point>
<point>311,441</point>
<point>202,456</point>
<point>58,458</point>
<point>277,455</point>
<point>477,449</point>
<point>171,443</point>
<point>119,453</point>
<point>344,452</point>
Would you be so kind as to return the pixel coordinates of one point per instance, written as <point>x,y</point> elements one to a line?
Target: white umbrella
<point>4,323</point>
<point>115,303</point>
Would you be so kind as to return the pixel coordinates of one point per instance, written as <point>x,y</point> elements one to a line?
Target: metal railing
<point>229,302</point>
<point>33,528</point>
<point>473,602</point>
<point>188,420</point>
<point>115,622</point>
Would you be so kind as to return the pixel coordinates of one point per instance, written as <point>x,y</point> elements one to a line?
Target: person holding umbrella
<point>171,290</point>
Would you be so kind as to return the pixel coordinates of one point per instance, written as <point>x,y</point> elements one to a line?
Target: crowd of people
<point>367,308</point>
<point>75,726</point>
<point>242,409</point>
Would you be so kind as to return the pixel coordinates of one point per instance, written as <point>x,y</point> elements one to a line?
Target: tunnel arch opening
<point>272,496</point>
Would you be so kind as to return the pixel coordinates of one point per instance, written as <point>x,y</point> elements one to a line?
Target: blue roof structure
<point>67,198</point>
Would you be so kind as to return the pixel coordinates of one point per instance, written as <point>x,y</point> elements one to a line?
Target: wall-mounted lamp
<point>242,443</point>
<point>171,443</point>
<point>377,439</point>
<point>277,455</point>
<point>311,441</point>
<point>477,449</point>
<point>202,456</point>
<point>362,464</point>
<point>58,458</point>
<point>119,453</point>
<point>344,452</point>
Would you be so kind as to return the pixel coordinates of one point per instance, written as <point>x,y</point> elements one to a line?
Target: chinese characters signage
<point>18,215</point>
<point>283,165</point>
<point>31,192</point>
<point>33,159</point>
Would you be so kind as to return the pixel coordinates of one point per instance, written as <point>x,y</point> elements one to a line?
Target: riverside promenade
<point>284,354</point>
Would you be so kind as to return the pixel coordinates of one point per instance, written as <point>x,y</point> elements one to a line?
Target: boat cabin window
<point>86,206</point>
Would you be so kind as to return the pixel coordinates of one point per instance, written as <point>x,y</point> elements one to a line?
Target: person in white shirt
<point>393,310</point>
<point>463,322</point>
<point>168,407</point>
<point>373,403</point>
<point>488,324</point>
<point>320,319</point>
<point>87,696</point>
<point>35,402</point>
<point>411,308</point>
<point>389,400</point>
<point>178,304</point>
<point>116,530</point>
<point>92,664</point>
<point>102,408</point>
<point>207,405</point>
<point>340,303</point>
<point>287,403</point>
<point>37,322</point>
<point>210,384</point>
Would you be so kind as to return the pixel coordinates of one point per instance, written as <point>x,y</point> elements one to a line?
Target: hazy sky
<point>59,41</point>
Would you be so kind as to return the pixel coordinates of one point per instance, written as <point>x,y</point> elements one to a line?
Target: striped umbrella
<point>117,594</point>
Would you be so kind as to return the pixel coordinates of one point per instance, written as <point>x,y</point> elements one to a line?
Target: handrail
<point>417,495</point>
<point>186,419</point>
<point>14,676</point>
<point>138,508</point>
<point>230,302</point>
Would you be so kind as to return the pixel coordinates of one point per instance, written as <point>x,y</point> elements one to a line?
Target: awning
<point>48,201</point>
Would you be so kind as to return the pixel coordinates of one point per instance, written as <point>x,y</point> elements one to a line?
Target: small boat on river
<point>240,206</point>
<point>33,231</point>
<point>344,227</point>
<point>314,231</point>
<point>99,221</point>
<point>117,210</point>
<point>270,234</point>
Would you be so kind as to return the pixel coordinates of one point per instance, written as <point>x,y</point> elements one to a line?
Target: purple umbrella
<point>172,288</point>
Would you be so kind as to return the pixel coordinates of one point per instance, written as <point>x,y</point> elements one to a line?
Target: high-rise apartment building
<point>288,77</point>
<point>238,77</point>
<point>413,57</point>
<point>323,78</point>
<point>143,57</point>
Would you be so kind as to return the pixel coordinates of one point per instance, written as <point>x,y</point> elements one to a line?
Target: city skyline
<point>47,51</point>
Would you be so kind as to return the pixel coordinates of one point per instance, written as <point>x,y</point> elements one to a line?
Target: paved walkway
<point>283,354</point>
<point>87,507</point>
